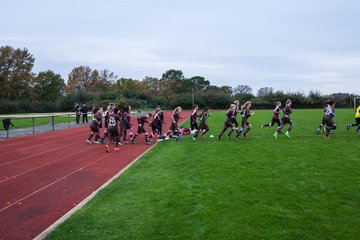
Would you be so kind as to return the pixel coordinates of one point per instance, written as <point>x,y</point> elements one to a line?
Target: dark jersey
<point>194,116</point>
<point>236,111</point>
<point>174,124</point>
<point>287,111</point>
<point>230,113</point>
<point>95,122</point>
<point>246,113</point>
<point>156,119</point>
<point>142,120</point>
<point>161,114</point>
<point>276,113</point>
<point>113,121</point>
<point>125,123</point>
<point>176,116</point>
<point>326,106</point>
<point>203,117</point>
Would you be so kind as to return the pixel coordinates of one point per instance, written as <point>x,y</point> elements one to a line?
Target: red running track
<point>44,176</point>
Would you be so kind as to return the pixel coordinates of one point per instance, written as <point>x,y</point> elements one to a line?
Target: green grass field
<point>28,122</point>
<point>306,187</point>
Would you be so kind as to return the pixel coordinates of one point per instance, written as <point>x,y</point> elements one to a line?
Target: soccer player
<point>357,119</point>
<point>173,130</point>
<point>113,129</point>
<point>329,119</point>
<point>275,117</point>
<point>229,120</point>
<point>108,112</point>
<point>233,119</point>
<point>95,126</point>
<point>161,122</point>
<point>141,128</point>
<point>203,128</point>
<point>193,119</point>
<point>125,124</point>
<point>326,106</point>
<point>285,120</point>
<point>154,124</point>
<point>245,109</point>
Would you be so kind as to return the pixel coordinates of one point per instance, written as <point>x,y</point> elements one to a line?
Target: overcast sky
<point>290,45</point>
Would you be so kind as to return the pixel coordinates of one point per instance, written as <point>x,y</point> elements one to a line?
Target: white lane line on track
<point>50,184</point>
<point>43,234</point>
<point>47,164</point>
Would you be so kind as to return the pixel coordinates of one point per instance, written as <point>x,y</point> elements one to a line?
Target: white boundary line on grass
<point>67,215</point>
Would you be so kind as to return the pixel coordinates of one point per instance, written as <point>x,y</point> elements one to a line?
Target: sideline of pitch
<point>67,215</point>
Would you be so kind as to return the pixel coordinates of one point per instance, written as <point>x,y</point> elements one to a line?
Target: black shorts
<point>228,123</point>
<point>94,129</point>
<point>323,121</point>
<point>286,121</point>
<point>194,125</point>
<point>204,126</point>
<point>244,123</point>
<point>357,121</point>
<point>234,121</point>
<point>113,132</point>
<point>273,121</point>
<point>329,122</point>
<point>173,126</point>
<point>141,130</point>
<point>155,128</point>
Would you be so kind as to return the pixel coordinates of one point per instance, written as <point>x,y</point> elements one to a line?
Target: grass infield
<point>305,187</point>
<point>28,122</point>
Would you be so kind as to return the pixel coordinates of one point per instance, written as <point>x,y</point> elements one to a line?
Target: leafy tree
<point>169,86</point>
<point>199,83</point>
<point>152,84</point>
<point>177,79</point>
<point>48,86</point>
<point>101,81</point>
<point>227,90</point>
<point>128,85</point>
<point>79,80</point>
<point>173,74</point>
<point>16,73</point>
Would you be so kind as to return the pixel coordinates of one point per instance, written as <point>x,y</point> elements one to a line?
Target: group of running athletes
<point>327,123</point>
<point>117,123</point>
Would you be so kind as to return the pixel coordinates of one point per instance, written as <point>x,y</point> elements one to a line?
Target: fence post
<point>68,120</point>
<point>53,123</point>
<point>33,122</point>
<point>7,133</point>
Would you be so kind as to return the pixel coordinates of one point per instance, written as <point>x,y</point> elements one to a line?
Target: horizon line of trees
<point>24,91</point>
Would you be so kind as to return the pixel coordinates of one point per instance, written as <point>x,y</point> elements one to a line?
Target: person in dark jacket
<point>161,122</point>
<point>6,123</point>
<point>84,111</point>
<point>77,113</point>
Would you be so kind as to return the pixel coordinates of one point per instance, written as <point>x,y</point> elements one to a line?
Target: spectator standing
<point>77,113</point>
<point>84,111</point>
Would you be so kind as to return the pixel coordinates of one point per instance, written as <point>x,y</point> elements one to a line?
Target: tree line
<point>22,90</point>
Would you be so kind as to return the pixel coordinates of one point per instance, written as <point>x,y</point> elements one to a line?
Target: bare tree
<point>242,90</point>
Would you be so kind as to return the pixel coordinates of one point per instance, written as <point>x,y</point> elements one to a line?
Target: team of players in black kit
<point>117,123</point>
